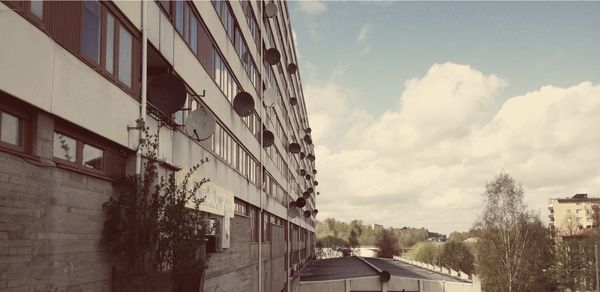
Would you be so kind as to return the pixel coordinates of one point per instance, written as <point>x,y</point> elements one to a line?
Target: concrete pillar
<point>347,286</point>
<point>44,147</point>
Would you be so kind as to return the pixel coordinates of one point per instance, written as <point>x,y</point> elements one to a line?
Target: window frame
<point>26,119</point>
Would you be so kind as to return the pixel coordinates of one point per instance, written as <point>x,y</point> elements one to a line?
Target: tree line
<point>508,247</point>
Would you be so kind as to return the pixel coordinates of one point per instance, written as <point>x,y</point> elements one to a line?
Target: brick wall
<point>50,228</point>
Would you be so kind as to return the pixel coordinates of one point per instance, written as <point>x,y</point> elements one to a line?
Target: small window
<point>37,8</point>
<point>125,55</point>
<point>65,147</point>
<point>110,43</point>
<point>10,131</point>
<point>90,32</point>
<point>93,157</point>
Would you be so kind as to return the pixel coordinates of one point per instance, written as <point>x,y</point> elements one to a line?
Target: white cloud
<point>362,34</point>
<point>313,6</point>
<point>425,161</point>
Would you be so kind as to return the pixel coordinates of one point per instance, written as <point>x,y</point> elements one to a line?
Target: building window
<point>37,8</point>
<point>93,157</point>
<point>90,32</point>
<point>253,224</point>
<point>78,154</point>
<point>110,43</point>
<point>241,208</point>
<point>125,56</point>
<point>65,147</point>
<point>11,131</point>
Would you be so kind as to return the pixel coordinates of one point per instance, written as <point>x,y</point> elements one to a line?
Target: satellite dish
<point>306,195</point>
<point>315,211</point>
<point>294,148</point>
<point>302,155</point>
<point>384,276</point>
<point>307,214</point>
<point>300,202</point>
<point>268,138</point>
<point>200,124</point>
<point>293,212</point>
<point>167,93</point>
<point>243,104</point>
<point>310,157</point>
<point>270,97</point>
<point>292,68</point>
<point>293,101</point>
<point>316,183</point>
<point>308,130</point>
<point>270,9</point>
<point>292,204</point>
<point>272,56</point>
<point>310,190</point>
<point>315,171</point>
<point>302,172</point>
<point>307,138</point>
<point>307,177</point>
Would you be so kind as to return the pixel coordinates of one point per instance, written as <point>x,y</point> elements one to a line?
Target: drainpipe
<point>262,177</point>
<point>143,110</point>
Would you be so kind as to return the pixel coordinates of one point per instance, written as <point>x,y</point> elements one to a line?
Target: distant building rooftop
<point>577,198</point>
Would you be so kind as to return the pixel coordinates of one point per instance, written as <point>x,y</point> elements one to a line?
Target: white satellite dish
<point>270,9</point>
<point>200,124</point>
<point>293,212</point>
<point>270,97</point>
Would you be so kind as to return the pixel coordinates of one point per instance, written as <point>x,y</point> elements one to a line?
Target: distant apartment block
<point>571,214</point>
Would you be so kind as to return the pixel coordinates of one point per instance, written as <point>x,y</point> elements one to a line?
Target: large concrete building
<point>75,78</point>
<point>570,215</point>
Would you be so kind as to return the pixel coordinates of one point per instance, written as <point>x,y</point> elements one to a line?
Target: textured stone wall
<point>50,228</point>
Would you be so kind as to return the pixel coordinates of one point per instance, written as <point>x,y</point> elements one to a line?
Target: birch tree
<point>515,250</point>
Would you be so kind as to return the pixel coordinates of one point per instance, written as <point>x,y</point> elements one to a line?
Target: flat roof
<point>353,267</point>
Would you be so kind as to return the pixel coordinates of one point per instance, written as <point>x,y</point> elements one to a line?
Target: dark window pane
<point>125,53</point>
<point>11,129</point>
<point>90,32</point>
<point>65,147</point>
<point>93,157</point>
<point>193,32</point>
<point>179,16</point>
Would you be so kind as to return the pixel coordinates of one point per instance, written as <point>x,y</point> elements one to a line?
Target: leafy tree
<point>514,248</point>
<point>426,252</point>
<point>387,244</point>
<point>573,265</point>
<point>456,255</point>
<point>330,247</point>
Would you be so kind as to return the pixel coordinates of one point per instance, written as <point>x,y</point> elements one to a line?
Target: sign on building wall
<point>218,201</point>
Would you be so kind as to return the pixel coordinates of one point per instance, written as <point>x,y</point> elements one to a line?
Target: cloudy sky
<point>414,106</point>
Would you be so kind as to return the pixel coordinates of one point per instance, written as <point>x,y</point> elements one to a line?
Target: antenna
<point>292,68</point>
<point>310,157</point>
<point>272,56</point>
<point>270,97</point>
<point>293,101</point>
<point>300,202</point>
<point>167,93</point>
<point>294,148</point>
<point>243,104</point>
<point>200,124</point>
<point>268,138</point>
<point>307,214</point>
<point>270,9</point>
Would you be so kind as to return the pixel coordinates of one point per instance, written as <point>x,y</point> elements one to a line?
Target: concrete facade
<point>570,215</point>
<point>51,213</point>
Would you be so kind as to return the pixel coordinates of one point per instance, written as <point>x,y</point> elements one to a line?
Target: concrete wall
<point>395,284</point>
<point>50,225</point>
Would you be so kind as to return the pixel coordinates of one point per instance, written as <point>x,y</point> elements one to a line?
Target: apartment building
<point>78,79</point>
<point>570,215</point>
